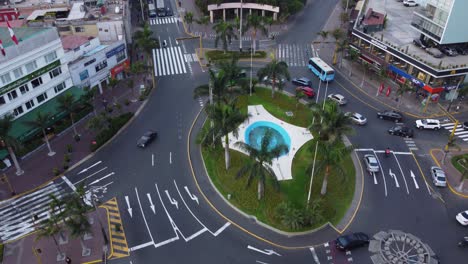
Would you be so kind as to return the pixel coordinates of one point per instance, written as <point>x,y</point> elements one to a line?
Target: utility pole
<point>240,27</point>
<point>251,66</point>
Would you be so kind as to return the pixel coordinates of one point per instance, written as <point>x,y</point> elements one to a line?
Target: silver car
<point>438,177</point>
<point>372,165</point>
<point>356,118</point>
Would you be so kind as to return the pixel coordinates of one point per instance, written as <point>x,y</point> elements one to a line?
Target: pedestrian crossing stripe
<point>117,238</point>
<point>295,55</point>
<point>459,130</point>
<point>162,21</point>
<point>169,61</point>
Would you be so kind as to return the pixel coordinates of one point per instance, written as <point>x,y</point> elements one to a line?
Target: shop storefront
<point>119,70</point>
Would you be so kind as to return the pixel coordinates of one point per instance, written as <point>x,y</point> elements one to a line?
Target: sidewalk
<point>44,250</point>
<point>453,175</point>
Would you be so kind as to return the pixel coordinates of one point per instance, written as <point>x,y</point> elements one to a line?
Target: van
<point>151,10</point>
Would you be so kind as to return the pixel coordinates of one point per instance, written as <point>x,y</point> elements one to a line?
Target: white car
<point>428,124</point>
<point>409,3</point>
<point>462,218</point>
<point>356,118</point>
<point>372,165</point>
<point>341,100</point>
<point>438,177</point>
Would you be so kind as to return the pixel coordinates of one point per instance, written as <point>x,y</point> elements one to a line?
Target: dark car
<point>302,81</point>
<point>307,91</point>
<point>352,241</point>
<point>448,51</point>
<point>169,12</point>
<point>147,138</point>
<point>401,131</point>
<point>420,43</point>
<point>461,50</point>
<point>390,115</point>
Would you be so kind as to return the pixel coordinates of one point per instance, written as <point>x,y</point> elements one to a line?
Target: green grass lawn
<point>336,201</point>
<point>457,165</point>
<point>215,55</point>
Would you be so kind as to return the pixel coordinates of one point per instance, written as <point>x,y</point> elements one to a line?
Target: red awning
<point>120,68</point>
<point>433,90</point>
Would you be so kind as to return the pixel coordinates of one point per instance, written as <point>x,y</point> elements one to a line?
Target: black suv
<point>390,115</point>
<point>147,138</point>
<point>401,131</point>
<point>448,51</point>
<point>352,241</point>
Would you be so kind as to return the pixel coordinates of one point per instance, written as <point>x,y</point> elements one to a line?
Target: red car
<point>307,91</point>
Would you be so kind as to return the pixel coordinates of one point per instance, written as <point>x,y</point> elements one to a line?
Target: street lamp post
<point>251,65</point>
<point>240,27</point>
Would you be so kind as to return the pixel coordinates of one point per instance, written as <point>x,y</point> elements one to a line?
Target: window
<point>120,56</point>
<point>18,111</point>
<point>55,72</point>
<point>59,87</point>
<point>30,104</point>
<point>31,66</point>
<point>18,72</point>
<point>12,95</point>
<point>79,29</point>
<point>2,100</point>
<point>84,75</point>
<point>41,98</point>
<point>101,65</point>
<point>36,82</point>
<point>6,78</point>
<point>89,62</point>
<point>24,88</point>
<point>63,29</point>
<point>51,57</point>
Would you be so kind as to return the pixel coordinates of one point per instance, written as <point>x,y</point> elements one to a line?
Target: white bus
<point>321,69</point>
<point>151,10</point>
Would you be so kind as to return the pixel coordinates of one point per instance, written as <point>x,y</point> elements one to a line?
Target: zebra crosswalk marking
<point>163,21</point>
<point>169,61</point>
<point>459,130</point>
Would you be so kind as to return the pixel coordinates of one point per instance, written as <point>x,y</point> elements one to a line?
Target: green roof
<point>21,33</point>
<point>21,131</point>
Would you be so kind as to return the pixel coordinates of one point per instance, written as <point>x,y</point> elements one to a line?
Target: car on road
<point>428,124</point>
<point>462,218</point>
<point>268,80</point>
<point>302,82</point>
<point>307,91</point>
<point>147,138</point>
<point>410,3</point>
<point>372,165</point>
<point>390,115</point>
<point>438,176</point>
<point>419,43</point>
<point>356,118</point>
<point>351,241</point>
<point>340,99</point>
<point>402,131</point>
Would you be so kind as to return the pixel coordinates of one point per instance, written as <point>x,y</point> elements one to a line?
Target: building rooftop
<point>373,18</point>
<point>399,34</point>
<point>22,34</point>
<point>71,42</point>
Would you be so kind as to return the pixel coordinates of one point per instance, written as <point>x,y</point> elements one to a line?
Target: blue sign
<point>115,50</point>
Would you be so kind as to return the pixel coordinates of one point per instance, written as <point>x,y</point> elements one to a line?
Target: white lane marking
<point>375,178</point>
<point>392,175</point>
<point>365,150</point>
<point>147,244</point>
<point>160,63</point>
<point>68,182</point>
<point>314,254</point>
<point>151,203</point>
<point>192,196</point>
<point>170,157</point>
<point>268,252</point>
<point>86,169</point>
<point>129,209</point>
<point>221,229</point>
<point>143,214</point>
<point>172,200</point>
<point>152,160</point>
<point>261,262</point>
<point>174,226</point>
<point>415,182</point>
<point>401,170</point>
<point>179,51</point>
<point>383,173</point>
<point>89,176</point>
<point>154,63</point>
<point>170,53</point>
<point>100,179</point>
<point>166,61</point>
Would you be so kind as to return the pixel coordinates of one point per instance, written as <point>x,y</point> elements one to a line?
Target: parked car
<point>356,118</point>
<point>462,218</point>
<point>419,43</point>
<point>402,131</point>
<point>448,51</point>
<point>428,124</point>
<point>147,138</point>
<point>340,99</point>
<point>438,176</point>
<point>390,115</point>
<point>169,12</point>
<point>302,82</point>
<point>351,241</point>
<point>461,50</point>
<point>268,80</point>
<point>435,52</point>
<point>372,165</point>
<point>307,91</point>
<point>409,3</point>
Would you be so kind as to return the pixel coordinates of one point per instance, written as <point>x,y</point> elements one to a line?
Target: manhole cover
<point>289,113</point>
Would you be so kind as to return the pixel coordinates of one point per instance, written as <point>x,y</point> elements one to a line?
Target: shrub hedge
<point>115,124</point>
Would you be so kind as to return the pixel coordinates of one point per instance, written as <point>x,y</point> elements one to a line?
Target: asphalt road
<point>167,220</point>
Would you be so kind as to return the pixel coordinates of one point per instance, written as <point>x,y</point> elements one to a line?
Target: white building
<point>32,74</point>
<point>92,63</point>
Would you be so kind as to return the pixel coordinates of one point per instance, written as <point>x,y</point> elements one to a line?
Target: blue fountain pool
<point>255,132</point>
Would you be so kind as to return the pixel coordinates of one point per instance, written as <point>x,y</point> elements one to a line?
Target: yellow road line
<point>121,250</point>
<point>448,183</point>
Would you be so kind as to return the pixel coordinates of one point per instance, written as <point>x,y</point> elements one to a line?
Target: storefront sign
<point>120,68</point>
<point>29,77</point>
<point>115,50</point>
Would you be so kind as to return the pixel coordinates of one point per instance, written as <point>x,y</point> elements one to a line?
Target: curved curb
<point>451,188</point>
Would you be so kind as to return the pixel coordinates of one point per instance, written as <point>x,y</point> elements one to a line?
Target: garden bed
<point>215,55</point>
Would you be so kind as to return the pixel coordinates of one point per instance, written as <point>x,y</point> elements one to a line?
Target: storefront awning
<point>433,90</point>
<point>400,72</point>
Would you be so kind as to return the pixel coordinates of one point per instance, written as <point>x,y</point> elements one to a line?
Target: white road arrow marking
<point>86,169</point>
<point>394,177</point>
<point>151,203</point>
<point>375,178</point>
<point>268,252</point>
<point>172,200</point>
<point>128,206</point>
<point>316,259</point>
<point>414,180</point>
<point>192,196</point>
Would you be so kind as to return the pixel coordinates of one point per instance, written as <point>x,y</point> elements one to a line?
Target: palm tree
<point>9,141</point>
<point>42,122</point>
<point>323,35</point>
<point>219,91</point>
<point>47,229</point>
<point>231,69</point>
<point>147,43</point>
<point>366,69</point>
<point>269,21</point>
<point>226,119</point>
<point>77,220</point>
<point>334,123</point>
<point>259,165</point>
<point>298,96</point>
<point>113,82</point>
<point>353,56</point>
<point>57,213</point>
<point>337,35</point>
<point>255,23</point>
<point>402,89</point>
<point>66,103</point>
<point>332,155</point>
<point>89,97</point>
<point>188,17</point>
<point>225,33</point>
<point>275,71</point>
<point>341,47</point>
